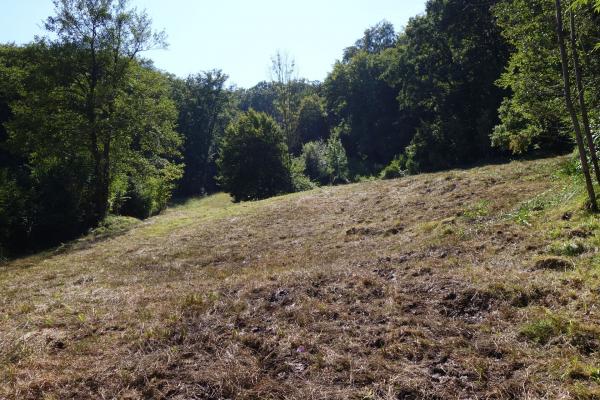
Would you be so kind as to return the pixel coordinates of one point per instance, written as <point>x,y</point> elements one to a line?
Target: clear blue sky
<point>239,36</point>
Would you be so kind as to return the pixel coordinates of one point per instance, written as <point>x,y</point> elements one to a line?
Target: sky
<point>238,36</point>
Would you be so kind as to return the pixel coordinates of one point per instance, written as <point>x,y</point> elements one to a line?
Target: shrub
<point>148,189</point>
<point>314,156</point>
<point>395,169</point>
<point>337,161</point>
<point>253,160</point>
<point>300,181</point>
<point>326,162</point>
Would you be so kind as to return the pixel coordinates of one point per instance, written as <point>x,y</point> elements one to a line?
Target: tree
<point>146,151</point>
<point>315,161</point>
<point>532,115</point>
<point>570,106</point>
<point>87,128</point>
<point>261,97</point>
<point>375,39</point>
<point>585,119</point>
<point>449,60</point>
<point>337,161</point>
<point>204,111</point>
<point>108,37</point>
<point>312,119</point>
<point>283,68</point>
<point>253,160</point>
<point>360,98</point>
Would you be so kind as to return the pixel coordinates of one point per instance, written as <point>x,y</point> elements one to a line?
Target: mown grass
<point>421,287</point>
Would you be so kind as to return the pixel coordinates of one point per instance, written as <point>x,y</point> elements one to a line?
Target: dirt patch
<point>554,264</point>
<point>468,303</point>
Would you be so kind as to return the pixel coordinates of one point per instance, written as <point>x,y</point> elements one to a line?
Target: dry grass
<point>427,287</point>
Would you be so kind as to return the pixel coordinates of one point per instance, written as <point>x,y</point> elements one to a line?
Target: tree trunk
<point>569,103</point>
<point>581,96</point>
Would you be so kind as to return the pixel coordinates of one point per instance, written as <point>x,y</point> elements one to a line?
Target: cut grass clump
<point>583,372</point>
<point>194,304</point>
<point>524,214</point>
<point>544,330</point>
<point>586,338</point>
<point>477,211</point>
<point>113,225</point>
<point>554,264</point>
<point>568,249</point>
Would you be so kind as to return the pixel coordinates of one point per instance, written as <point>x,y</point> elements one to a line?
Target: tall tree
<point>449,60</point>
<point>204,112</point>
<point>585,119</point>
<point>362,102</point>
<point>375,39</point>
<point>569,103</point>
<point>253,158</point>
<point>109,36</point>
<point>312,119</point>
<point>283,68</point>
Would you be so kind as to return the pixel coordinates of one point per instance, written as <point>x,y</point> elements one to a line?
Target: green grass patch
<point>113,225</point>
<point>479,210</point>
<point>580,371</point>
<point>568,249</point>
<point>584,337</point>
<point>544,330</point>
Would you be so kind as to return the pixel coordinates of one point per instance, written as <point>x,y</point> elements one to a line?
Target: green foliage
<point>543,330</point>
<point>88,127</point>
<point>594,3</point>
<point>360,98</point>
<point>375,39</point>
<point>145,159</point>
<point>312,119</point>
<point>253,160</point>
<point>13,225</point>
<point>337,161</point>
<point>395,169</point>
<point>101,41</point>
<point>316,163</point>
<point>204,109</point>
<point>518,132</point>
<point>533,117</point>
<point>300,181</point>
<point>326,162</point>
<point>449,60</point>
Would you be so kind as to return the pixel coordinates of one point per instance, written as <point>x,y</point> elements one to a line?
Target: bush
<point>300,181</point>
<point>337,160</point>
<point>314,156</point>
<point>253,158</point>
<point>395,169</point>
<point>326,163</point>
<point>148,190</point>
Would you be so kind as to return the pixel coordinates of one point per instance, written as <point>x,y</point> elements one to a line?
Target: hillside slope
<point>463,284</point>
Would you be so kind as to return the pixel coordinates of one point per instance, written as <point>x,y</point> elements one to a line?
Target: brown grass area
<point>456,285</point>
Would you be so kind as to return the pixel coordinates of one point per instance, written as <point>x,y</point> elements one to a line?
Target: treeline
<point>88,127</point>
